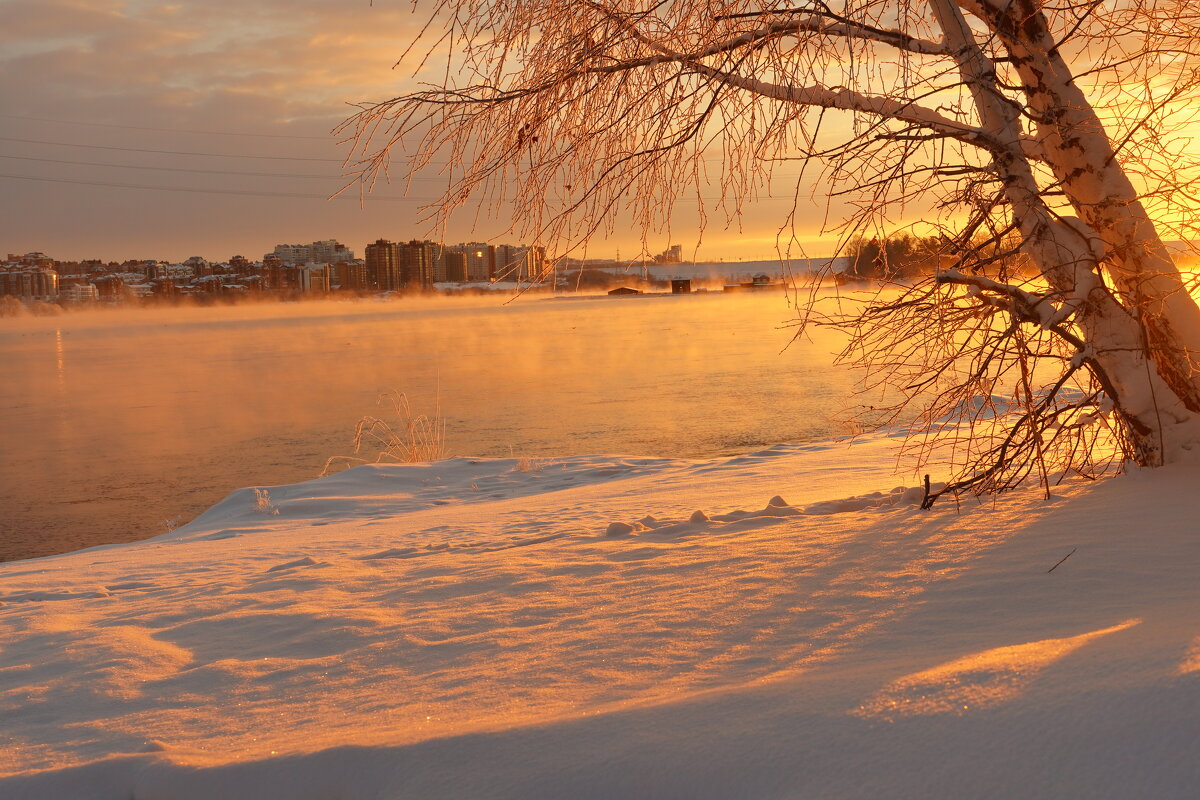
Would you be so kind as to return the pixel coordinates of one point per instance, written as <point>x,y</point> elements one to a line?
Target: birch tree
<point>1036,136</point>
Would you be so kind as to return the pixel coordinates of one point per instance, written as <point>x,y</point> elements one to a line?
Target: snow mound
<point>616,627</point>
<point>899,497</point>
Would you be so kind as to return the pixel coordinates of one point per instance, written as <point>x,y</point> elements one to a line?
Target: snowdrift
<point>783,624</point>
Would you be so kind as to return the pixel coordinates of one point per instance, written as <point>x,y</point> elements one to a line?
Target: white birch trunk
<point>1161,421</point>
<point>1080,153</point>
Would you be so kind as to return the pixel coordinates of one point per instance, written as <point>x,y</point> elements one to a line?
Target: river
<point>121,424</point>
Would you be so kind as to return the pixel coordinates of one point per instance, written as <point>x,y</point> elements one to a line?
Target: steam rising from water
<point>119,422</point>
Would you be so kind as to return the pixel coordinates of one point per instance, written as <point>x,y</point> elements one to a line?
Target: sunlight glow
<point>1191,662</point>
<point>981,680</point>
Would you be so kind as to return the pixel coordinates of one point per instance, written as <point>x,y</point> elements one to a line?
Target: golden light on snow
<point>980,680</point>
<point>1191,662</point>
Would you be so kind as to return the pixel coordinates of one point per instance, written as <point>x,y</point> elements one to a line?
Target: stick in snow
<point>1064,558</point>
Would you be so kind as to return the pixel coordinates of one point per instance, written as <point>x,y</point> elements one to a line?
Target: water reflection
<point>60,360</point>
<point>169,409</point>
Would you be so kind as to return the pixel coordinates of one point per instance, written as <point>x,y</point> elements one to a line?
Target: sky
<point>142,129</point>
<point>162,130</point>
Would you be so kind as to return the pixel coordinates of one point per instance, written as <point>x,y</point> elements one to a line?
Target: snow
<point>778,624</point>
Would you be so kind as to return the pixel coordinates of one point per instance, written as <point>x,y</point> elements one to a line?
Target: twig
<point>1064,558</point>
<point>927,501</point>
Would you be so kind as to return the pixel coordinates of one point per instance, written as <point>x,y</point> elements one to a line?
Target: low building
<point>80,293</point>
<point>314,278</point>
<point>109,287</point>
<point>28,283</point>
<point>759,282</point>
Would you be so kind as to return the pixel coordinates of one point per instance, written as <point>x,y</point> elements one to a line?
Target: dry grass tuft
<point>262,502</point>
<point>407,439</point>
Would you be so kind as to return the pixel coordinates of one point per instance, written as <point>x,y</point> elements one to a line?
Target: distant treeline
<point>901,256</point>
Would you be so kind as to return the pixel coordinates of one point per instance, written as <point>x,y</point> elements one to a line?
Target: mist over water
<point>119,424</point>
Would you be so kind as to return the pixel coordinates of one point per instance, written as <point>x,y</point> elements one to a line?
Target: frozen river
<point>118,425</point>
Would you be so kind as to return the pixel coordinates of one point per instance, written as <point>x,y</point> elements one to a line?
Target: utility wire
<point>198,171</point>
<point>176,169</point>
<point>164,130</point>
<point>208,155</point>
<point>166,152</point>
<point>193,190</point>
<point>368,197</point>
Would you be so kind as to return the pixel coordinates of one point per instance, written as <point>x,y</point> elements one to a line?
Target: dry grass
<point>529,464</point>
<point>405,438</point>
<point>262,502</point>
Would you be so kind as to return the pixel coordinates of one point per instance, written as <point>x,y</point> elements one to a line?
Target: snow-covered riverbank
<point>574,628</point>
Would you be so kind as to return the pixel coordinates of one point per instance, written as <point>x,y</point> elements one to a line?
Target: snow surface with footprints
<point>618,627</point>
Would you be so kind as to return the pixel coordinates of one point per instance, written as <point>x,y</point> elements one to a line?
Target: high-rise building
<point>481,260</point>
<point>416,264</point>
<point>289,254</point>
<point>454,268</point>
<point>672,255</point>
<point>349,275</point>
<point>326,251</point>
<point>478,261</point>
<point>519,263</point>
<point>383,265</point>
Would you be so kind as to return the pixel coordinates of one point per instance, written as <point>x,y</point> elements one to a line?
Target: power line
<point>177,152</point>
<point>164,130</point>
<point>247,193</point>
<point>196,153</point>
<point>344,177</point>
<point>176,169</point>
<point>193,190</point>
<point>167,152</point>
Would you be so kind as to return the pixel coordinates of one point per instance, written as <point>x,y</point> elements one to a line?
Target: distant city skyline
<point>255,250</point>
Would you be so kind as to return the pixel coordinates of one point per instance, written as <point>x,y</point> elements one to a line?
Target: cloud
<point>179,74</point>
<point>108,59</point>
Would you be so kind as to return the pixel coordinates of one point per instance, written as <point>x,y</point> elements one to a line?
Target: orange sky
<point>182,77</point>
<point>141,129</point>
